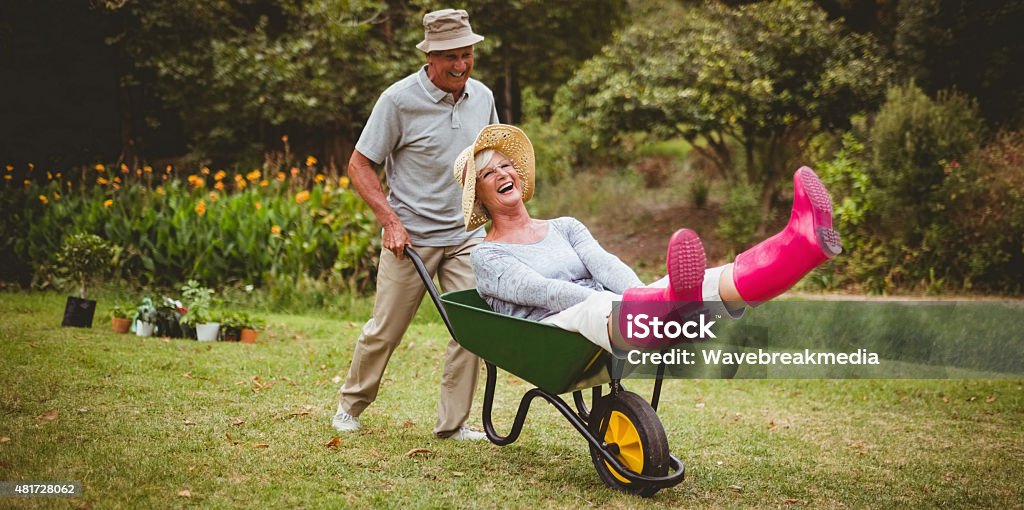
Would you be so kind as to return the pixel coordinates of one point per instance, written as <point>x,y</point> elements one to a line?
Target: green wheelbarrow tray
<point>558,361</point>
<point>550,358</point>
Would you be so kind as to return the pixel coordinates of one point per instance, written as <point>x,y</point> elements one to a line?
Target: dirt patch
<point>639,238</point>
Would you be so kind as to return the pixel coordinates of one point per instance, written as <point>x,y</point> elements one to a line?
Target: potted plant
<point>168,318</point>
<point>82,259</point>
<point>239,326</point>
<point>250,329</point>
<point>120,319</point>
<point>145,318</point>
<point>199,303</point>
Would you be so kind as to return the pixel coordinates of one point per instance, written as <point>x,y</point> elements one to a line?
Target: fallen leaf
<point>187,375</point>
<point>790,501</point>
<point>989,399</point>
<point>945,399</point>
<point>408,424</point>
<point>237,422</point>
<point>336,379</point>
<point>418,451</point>
<point>699,405</point>
<point>4,439</point>
<point>352,325</point>
<point>260,445</point>
<point>50,415</point>
<point>185,493</point>
<point>736,488</point>
<point>306,410</point>
<point>772,425</point>
<point>334,442</point>
<point>231,439</point>
<point>719,463</point>
<point>458,473</point>
<point>972,399</point>
<point>188,421</point>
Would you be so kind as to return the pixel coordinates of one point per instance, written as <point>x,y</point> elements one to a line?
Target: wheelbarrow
<point>627,441</point>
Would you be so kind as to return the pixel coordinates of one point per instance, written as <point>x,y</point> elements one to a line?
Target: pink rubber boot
<point>777,263</point>
<point>685,264</point>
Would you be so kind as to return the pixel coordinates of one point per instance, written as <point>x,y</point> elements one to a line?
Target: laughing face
<point>497,184</point>
<point>450,69</point>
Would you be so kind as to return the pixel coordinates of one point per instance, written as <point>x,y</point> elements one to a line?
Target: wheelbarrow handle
<point>428,282</point>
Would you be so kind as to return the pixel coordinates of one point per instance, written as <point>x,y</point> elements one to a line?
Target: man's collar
<point>432,90</point>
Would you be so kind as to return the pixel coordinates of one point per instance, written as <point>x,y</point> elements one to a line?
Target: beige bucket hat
<point>508,140</point>
<point>447,29</point>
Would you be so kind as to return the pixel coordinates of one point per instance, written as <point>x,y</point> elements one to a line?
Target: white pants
<point>590,318</point>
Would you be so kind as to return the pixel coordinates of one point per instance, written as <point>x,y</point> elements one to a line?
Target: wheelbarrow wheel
<point>634,435</point>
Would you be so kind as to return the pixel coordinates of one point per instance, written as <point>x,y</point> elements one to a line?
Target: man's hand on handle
<point>396,238</point>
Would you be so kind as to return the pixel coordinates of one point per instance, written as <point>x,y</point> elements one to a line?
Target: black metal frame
<point>579,418</point>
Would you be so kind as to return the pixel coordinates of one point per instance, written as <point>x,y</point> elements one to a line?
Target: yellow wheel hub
<point>623,433</point>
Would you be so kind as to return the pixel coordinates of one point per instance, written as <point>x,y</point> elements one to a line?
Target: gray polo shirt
<point>417,131</point>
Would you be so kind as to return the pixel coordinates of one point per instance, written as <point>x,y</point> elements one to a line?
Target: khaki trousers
<point>399,293</point>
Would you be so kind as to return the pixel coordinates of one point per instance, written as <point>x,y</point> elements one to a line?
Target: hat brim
<point>427,46</point>
<point>516,146</point>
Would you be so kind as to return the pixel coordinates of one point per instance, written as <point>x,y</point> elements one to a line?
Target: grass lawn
<point>160,423</point>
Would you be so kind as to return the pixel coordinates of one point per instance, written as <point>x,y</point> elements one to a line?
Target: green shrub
<point>740,216</point>
<point>84,258</point>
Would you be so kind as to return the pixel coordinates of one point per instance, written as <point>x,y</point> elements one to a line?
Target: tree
<point>538,44</point>
<point>762,76</point>
<point>241,74</point>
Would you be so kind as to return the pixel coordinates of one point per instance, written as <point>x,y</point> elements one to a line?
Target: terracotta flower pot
<point>120,324</point>
<point>249,336</point>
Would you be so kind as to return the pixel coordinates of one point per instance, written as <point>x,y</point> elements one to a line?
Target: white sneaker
<point>344,422</point>
<point>467,434</point>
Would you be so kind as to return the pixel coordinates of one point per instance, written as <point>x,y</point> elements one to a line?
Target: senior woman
<point>554,271</point>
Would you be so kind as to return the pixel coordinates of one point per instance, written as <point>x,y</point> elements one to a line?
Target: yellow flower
<point>295,171</point>
<point>169,168</point>
<point>56,196</point>
<point>108,202</point>
<point>31,166</point>
<point>258,206</point>
<point>276,230</point>
<point>302,196</point>
<point>49,176</point>
<point>27,182</point>
<point>7,177</point>
<point>280,176</point>
<point>284,138</point>
<point>264,183</point>
<point>253,176</point>
<point>214,196</point>
<point>310,161</point>
<point>319,178</point>
<point>116,185</point>
<point>205,171</point>
<point>160,190</point>
<point>99,168</point>
<point>138,171</point>
<point>117,179</point>
<point>219,175</point>
<point>219,185</point>
<point>240,184</point>
<point>10,168</point>
<point>102,182</point>
<point>343,182</point>
<point>124,168</point>
<point>201,207</point>
<point>58,175</point>
<point>43,199</point>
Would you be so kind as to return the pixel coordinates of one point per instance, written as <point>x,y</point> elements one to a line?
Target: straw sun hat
<point>508,140</point>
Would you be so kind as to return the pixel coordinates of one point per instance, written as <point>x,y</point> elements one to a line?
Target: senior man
<point>416,130</point>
